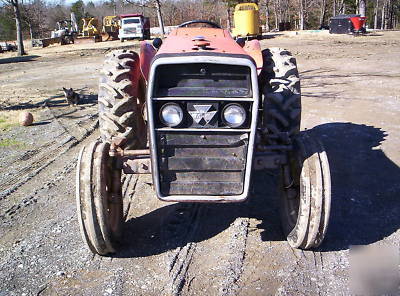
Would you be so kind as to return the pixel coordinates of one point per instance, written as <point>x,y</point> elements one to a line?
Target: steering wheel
<point>185,24</point>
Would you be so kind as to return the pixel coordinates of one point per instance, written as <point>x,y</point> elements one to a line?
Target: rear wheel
<point>281,96</point>
<point>121,99</point>
<point>98,198</point>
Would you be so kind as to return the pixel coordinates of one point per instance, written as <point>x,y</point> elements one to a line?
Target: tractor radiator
<point>202,163</point>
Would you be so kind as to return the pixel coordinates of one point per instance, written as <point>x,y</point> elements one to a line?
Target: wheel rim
<point>291,188</point>
<point>291,196</point>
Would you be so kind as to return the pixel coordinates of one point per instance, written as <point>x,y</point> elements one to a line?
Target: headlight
<point>234,115</point>
<point>171,114</point>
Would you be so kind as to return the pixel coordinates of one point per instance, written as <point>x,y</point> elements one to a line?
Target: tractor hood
<point>208,42</point>
<point>187,40</point>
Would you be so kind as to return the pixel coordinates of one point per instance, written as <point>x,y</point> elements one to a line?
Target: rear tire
<point>306,194</point>
<point>121,99</point>
<point>282,95</point>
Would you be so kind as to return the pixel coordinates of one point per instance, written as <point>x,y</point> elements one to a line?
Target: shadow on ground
<point>57,100</point>
<point>27,58</point>
<point>365,200</point>
<point>270,35</point>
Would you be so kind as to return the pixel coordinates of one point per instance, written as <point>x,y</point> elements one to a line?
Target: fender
<point>147,52</point>
<point>253,49</point>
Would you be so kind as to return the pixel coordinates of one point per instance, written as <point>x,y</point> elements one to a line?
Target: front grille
<point>130,31</point>
<point>203,158</point>
<point>210,163</point>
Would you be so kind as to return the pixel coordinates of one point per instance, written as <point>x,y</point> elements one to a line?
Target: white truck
<point>134,26</point>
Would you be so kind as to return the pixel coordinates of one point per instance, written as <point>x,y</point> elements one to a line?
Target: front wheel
<point>98,197</point>
<point>306,194</point>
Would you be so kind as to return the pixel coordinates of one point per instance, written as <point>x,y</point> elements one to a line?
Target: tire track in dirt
<point>237,247</point>
<point>33,197</point>
<point>215,261</point>
<point>38,159</point>
<point>182,228</point>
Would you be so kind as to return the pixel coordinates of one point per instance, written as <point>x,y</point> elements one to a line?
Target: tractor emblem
<point>202,115</point>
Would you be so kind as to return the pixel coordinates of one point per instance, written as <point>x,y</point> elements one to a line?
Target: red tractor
<point>201,112</point>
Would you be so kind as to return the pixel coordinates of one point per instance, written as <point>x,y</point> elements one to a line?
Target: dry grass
<point>11,143</point>
<point>8,119</point>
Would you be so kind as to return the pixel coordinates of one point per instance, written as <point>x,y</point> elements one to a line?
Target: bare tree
<point>267,16</point>
<point>362,7</point>
<point>376,14</point>
<point>34,14</point>
<point>323,13</point>
<point>18,24</point>
<point>159,16</point>
<point>302,13</point>
<point>339,7</point>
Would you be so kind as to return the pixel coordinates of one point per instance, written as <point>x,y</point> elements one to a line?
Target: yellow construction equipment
<point>111,25</point>
<point>246,19</point>
<point>90,31</point>
<point>90,27</point>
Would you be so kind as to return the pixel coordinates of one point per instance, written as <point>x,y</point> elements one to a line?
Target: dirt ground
<point>351,101</point>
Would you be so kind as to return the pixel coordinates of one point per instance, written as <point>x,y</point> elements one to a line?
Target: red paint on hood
<point>180,40</point>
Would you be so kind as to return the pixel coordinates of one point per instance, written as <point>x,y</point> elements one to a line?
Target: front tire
<point>306,194</point>
<point>98,197</point>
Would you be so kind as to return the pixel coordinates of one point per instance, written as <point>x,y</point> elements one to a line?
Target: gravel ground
<point>351,102</point>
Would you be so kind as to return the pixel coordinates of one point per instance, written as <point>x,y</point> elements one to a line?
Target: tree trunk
<point>390,14</point>
<point>334,8</point>
<point>159,16</point>
<point>20,42</point>
<point>276,17</point>
<point>267,26</point>
<point>383,16</point>
<point>362,7</point>
<point>301,20</point>
<point>228,18</point>
<point>30,31</point>
<point>301,15</point>
<point>376,15</point>
<point>323,13</point>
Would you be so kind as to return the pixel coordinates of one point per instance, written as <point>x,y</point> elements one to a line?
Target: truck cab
<point>134,26</point>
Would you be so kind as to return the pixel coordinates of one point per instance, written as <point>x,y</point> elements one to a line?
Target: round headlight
<point>234,115</point>
<point>171,114</point>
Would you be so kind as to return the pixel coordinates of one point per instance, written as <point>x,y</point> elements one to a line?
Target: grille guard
<point>228,60</point>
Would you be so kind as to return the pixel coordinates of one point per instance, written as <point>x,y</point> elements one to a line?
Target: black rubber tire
<point>280,86</point>
<point>306,194</point>
<point>121,99</point>
<point>99,203</point>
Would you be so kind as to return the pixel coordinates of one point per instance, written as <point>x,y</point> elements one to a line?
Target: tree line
<point>37,18</point>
